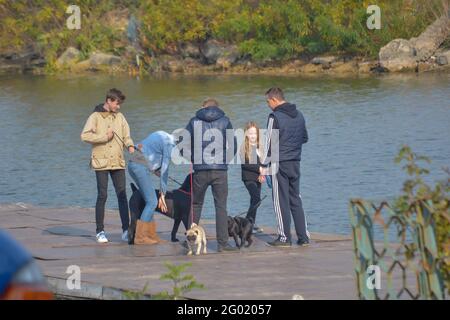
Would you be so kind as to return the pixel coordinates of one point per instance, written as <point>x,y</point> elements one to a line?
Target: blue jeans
<point>141,175</point>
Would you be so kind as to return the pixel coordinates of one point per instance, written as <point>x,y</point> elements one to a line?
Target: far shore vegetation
<point>274,30</point>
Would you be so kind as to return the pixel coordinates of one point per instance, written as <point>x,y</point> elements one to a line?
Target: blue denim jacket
<point>157,149</point>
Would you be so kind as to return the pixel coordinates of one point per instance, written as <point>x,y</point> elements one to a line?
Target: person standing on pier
<point>250,153</point>
<point>108,132</point>
<point>210,164</point>
<point>285,169</point>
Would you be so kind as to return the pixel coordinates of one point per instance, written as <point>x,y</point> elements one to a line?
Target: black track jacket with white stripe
<point>292,133</point>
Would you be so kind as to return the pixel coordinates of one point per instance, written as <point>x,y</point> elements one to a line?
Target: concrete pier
<point>61,237</point>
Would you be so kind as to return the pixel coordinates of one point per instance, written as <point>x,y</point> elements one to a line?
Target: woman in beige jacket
<point>108,132</point>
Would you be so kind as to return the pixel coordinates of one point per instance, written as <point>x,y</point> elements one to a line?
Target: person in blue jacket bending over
<point>154,157</point>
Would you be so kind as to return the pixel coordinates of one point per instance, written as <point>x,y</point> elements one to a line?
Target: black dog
<point>242,228</point>
<point>178,203</point>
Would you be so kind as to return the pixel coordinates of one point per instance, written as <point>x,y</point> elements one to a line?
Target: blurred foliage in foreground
<point>415,188</point>
<point>182,284</point>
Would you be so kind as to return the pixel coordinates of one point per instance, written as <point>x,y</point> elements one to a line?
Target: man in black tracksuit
<point>211,167</point>
<point>285,169</point>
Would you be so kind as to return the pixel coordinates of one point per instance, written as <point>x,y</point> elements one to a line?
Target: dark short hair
<point>115,95</point>
<point>210,102</point>
<point>276,93</point>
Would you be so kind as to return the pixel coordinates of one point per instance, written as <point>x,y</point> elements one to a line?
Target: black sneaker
<point>303,243</point>
<point>226,248</point>
<point>279,243</point>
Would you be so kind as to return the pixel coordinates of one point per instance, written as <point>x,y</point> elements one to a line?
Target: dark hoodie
<point>205,119</point>
<point>99,108</point>
<point>292,131</point>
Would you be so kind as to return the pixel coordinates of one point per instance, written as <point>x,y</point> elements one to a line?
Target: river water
<point>356,127</point>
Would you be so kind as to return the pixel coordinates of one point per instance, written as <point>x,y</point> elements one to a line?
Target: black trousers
<point>118,177</point>
<point>254,189</point>
<point>287,200</point>
<point>218,180</point>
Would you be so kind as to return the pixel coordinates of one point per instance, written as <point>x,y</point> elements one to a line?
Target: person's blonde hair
<point>246,151</point>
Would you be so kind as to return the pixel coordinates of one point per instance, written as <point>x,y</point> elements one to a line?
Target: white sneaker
<point>101,237</point>
<point>257,229</point>
<point>125,236</point>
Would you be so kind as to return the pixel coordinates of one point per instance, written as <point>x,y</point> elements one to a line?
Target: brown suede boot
<point>153,235</point>
<point>143,233</point>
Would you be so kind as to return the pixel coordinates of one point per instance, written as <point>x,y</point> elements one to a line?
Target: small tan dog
<point>196,235</point>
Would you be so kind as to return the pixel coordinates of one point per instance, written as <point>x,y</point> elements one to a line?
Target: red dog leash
<point>192,196</point>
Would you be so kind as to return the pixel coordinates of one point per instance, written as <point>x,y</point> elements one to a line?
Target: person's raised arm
<point>164,175</point>
<point>127,136</point>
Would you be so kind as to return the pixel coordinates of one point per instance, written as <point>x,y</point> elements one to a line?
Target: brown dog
<point>196,235</point>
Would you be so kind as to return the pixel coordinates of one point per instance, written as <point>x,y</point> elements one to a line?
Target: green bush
<point>182,283</point>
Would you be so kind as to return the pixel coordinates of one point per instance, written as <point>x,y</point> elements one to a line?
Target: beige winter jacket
<point>107,155</point>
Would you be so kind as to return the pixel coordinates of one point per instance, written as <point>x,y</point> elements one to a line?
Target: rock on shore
<point>412,55</point>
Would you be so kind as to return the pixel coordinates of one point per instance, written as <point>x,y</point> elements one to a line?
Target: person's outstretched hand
<point>263,171</point>
<point>162,203</point>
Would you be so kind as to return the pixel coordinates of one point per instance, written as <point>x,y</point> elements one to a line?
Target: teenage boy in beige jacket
<point>108,132</point>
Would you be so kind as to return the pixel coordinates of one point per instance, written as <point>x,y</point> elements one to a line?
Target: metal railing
<point>405,251</point>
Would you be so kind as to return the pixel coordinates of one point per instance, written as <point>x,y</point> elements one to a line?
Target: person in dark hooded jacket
<point>211,151</point>
<point>285,166</point>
